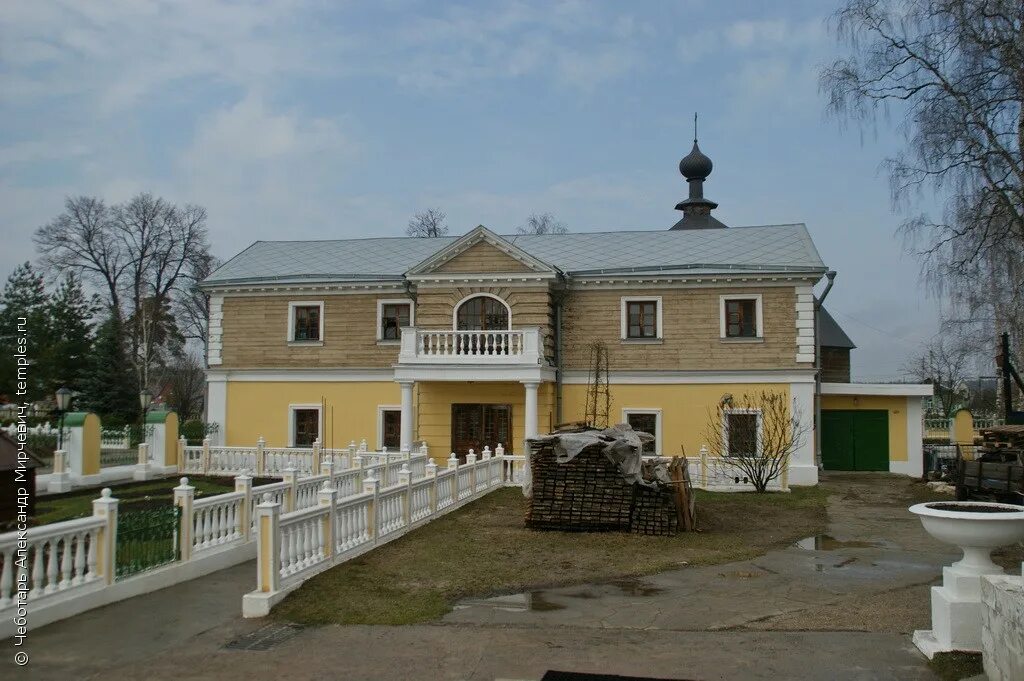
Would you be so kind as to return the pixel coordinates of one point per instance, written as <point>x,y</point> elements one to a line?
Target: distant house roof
<point>9,454</point>
<point>771,248</point>
<point>830,333</point>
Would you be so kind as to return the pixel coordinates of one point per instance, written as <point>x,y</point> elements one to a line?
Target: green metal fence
<point>147,538</point>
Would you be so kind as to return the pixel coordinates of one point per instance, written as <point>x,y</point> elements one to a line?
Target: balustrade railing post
<point>362,445</point>
<point>407,453</point>
<point>506,473</point>
<point>142,463</point>
<point>405,479</point>
<point>351,453</point>
<point>182,443</point>
<point>453,464</point>
<point>243,483</point>
<point>290,478</point>
<point>268,546</point>
<point>205,461</point>
<point>315,463</point>
<point>704,466</point>
<point>430,472</point>
<point>184,497</point>
<point>471,462</point>
<point>372,486</point>
<point>106,543</point>
<point>327,468</point>
<point>328,496</point>
<point>261,456</point>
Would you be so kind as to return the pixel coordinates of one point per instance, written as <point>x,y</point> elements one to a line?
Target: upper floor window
<point>392,317</point>
<point>641,318</point>
<point>485,313</point>
<point>306,322</point>
<point>741,316</point>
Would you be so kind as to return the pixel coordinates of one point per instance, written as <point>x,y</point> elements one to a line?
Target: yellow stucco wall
<point>686,409</point>
<point>895,405</point>
<point>261,408</point>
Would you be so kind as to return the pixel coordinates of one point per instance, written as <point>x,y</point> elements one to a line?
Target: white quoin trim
<point>455,308</point>
<point>215,330</point>
<point>804,324</point>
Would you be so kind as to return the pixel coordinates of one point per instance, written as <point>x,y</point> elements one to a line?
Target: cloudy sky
<point>321,119</point>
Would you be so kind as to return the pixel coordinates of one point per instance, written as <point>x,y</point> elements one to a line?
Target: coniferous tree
<point>109,385</point>
<point>23,314</point>
<point>71,340</point>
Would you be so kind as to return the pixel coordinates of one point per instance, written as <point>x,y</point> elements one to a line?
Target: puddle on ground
<point>636,587</point>
<point>741,574</point>
<point>824,542</point>
<point>532,601</point>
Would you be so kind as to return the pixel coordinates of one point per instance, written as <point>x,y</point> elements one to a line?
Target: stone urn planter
<point>977,528</point>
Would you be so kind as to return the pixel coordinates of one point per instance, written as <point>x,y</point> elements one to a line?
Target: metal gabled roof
<point>771,248</point>
<point>830,334</point>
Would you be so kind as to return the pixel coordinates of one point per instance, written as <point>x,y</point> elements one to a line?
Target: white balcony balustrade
<point>445,346</point>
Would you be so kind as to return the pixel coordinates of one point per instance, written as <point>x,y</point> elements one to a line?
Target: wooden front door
<point>475,426</point>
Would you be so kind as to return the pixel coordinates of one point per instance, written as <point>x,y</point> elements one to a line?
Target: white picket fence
<point>294,546</point>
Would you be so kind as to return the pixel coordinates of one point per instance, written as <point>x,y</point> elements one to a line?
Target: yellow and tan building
<point>471,341</point>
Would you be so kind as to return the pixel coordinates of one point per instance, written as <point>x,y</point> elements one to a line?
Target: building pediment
<point>480,251</point>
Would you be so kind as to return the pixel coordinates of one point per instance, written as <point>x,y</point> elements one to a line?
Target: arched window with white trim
<point>482,312</point>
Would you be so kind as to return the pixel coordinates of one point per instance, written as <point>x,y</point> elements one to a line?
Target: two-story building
<point>483,339</point>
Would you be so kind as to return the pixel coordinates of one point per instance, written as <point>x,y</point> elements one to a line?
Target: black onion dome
<point>695,165</point>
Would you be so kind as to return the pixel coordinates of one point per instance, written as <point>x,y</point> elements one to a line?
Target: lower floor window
<point>647,421</point>
<point>305,427</point>
<point>391,429</point>
<point>741,433</point>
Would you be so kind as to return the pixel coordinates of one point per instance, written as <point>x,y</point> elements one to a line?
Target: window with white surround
<point>741,317</point>
<point>389,427</point>
<point>304,424</point>
<point>742,432</point>
<point>641,319</point>
<point>648,421</point>
<point>306,322</point>
<point>392,317</point>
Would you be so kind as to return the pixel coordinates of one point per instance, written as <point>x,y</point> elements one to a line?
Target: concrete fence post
<point>261,457</point>
<point>142,463</point>
<point>453,464</point>
<point>268,546</point>
<point>327,468</point>
<point>315,464</point>
<point>506,467</point>
<point>351,453</point>
<point>184,496</point>
<point>362,445</point>
<point>328,496</point>
<point>60,479</point>
<point>405,479</point>
<point>372,486</point>
<point>704,466</point>
<point>243,483</point>
<point>471,462</point>
<point>182,443</point>
<point>431,473</point>
<point>206,455</point>
<point>290,477</point>
<point>106,544</point>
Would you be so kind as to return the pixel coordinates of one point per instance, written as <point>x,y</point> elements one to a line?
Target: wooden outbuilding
<point>16,477</point>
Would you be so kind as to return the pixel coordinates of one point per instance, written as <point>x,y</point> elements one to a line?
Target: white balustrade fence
<point>293,546</point>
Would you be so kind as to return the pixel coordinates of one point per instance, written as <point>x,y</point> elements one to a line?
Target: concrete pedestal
<point>956,611</point>
<point>1002,627</point>
<point>59,482</point>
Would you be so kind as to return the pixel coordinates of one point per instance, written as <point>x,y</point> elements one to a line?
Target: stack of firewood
<point>589,494</point>
<point>1001,443</point>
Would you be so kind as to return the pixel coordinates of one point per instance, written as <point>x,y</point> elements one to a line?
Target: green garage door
<point>853,440</point>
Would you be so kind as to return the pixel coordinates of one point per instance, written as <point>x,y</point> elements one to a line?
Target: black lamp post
<point>145,399</point>
<point>63,402</point>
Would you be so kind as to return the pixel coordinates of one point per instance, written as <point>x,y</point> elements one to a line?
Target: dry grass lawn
<point>484,549</point>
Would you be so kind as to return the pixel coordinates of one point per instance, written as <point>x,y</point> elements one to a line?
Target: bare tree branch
<point>429,223</point>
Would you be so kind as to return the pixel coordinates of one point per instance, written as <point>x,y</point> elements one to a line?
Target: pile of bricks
<point>589,494</point>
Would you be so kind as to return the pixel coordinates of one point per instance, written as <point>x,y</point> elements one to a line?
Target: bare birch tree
<point>544,223</point>
<point>429,223</point>
<point>756,435</point>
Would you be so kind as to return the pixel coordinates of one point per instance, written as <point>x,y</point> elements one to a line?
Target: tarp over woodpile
<point>590,480</point>
<point>622,446</point>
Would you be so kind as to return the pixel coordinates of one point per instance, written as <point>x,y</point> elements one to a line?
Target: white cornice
<point>670,377</point>
<point>437,280</point>
<point>638,281</point>
<point>301,375</point>
<point>878,389</point>
<point>389,287</point>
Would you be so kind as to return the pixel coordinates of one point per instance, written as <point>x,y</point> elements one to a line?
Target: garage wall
<point>905,443</point>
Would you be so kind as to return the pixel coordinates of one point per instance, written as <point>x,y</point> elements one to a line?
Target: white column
<point>802,470</point>
<point>407,416</point>
<point>530,422</point>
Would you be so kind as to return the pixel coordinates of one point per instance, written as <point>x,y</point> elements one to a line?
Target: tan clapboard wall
<point>256,333</point>
<point>691,331</point>
<point>482,257</point>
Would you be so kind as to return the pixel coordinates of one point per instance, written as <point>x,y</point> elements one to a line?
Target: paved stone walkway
<point>839,607</point>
